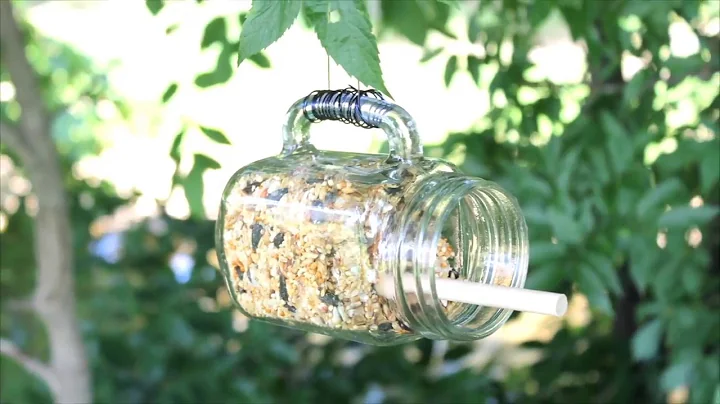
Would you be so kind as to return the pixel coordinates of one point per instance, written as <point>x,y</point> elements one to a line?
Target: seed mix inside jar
<point>302,248</point>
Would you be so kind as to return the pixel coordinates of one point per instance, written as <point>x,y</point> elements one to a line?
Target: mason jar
<point>305,238</point>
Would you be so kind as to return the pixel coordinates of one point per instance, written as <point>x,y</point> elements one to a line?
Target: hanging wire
<point>344,106</point>
<point>328,70</point>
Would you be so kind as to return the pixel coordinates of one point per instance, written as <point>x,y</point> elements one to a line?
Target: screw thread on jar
<point>487,234</point>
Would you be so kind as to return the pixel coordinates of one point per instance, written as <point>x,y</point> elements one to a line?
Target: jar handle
<point>354,107</point>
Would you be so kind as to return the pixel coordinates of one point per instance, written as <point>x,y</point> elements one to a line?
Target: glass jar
<point>304,238</point>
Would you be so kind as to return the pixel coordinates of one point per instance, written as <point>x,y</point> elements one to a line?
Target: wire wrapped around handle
<point>362,108</point>
<point>344,106</point>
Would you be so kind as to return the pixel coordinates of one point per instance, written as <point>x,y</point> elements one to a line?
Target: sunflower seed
<point>278,240</point>
<point>385,326</point>
<point>257,231</point>
<point>251,187</point>
<point>283,289</point>
<point>277,195</point>
<point>330,299</point>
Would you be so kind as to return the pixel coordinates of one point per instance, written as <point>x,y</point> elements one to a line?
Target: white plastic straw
<point>502,297</point>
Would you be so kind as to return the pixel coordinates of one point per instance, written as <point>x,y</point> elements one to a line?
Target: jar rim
<point>439,196</point>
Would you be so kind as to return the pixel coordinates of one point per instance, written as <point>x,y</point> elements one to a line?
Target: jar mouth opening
<point>487,235</point>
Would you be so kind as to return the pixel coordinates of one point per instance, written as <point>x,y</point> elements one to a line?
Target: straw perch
<point>502,297</point>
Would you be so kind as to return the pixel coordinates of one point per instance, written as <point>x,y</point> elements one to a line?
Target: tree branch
<point>14,139</point>
<point>35,120</point>
<point>32,365</point>
<point>40,160</point>
<point>54,295</point>
<point>27,304</point>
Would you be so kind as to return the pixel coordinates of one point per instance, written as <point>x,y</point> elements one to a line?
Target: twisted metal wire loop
<point>344,106</point>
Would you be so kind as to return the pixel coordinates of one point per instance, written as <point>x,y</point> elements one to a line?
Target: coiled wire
<point>344,106</point>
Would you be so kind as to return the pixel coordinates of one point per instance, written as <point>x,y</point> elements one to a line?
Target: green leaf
<point>407,19</point>
<point>473,65</point>
<point>450,69</point>
<point>686,155</point>
<point>643,257</point>
<point>474,29</point>
<point>598,202</point>
<point>565,229</point>
<point>169,92</point>
<point>692,279</point>
<point>633,89</point>
<point>284,352</point>
<point>619,144</point>
<point>260,60</point>
<point>665,278</point>
<point>659,195</point>
<point>344,30</point>
<point>605,269</point>
<point>686,216</point>
<point>541,252</point>
<point>539,12</point>
<point>154,6</point>
<point>611,125</point>
<point>710,167</point>
<point>180,330</point>
<point>435,16</point>
<point>587,218</point>
<point>430,54</point>
<point>222,73</point>
<point>266,22</point>
<point>685,66</point>
<point>458,351</point>
<point>536,186</point>
<point>646,341</point>
<point>598,162</point>
<point>647,310</point>
<point>170,29</point>
<point>566,168</point>
<point>175,148</point>
<point>592,287</point>
<point>625,200</point>
<point>215,31</point>
<point>577,21</point>
<point>640,8</point>
<point>546,277</point>
<point>215,135</point>
<point>535,216</point>
<point>499,82</point>
<point>193,184</point>
<point>675,376</point>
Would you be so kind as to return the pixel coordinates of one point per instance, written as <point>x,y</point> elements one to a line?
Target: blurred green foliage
<point>614,214</point>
